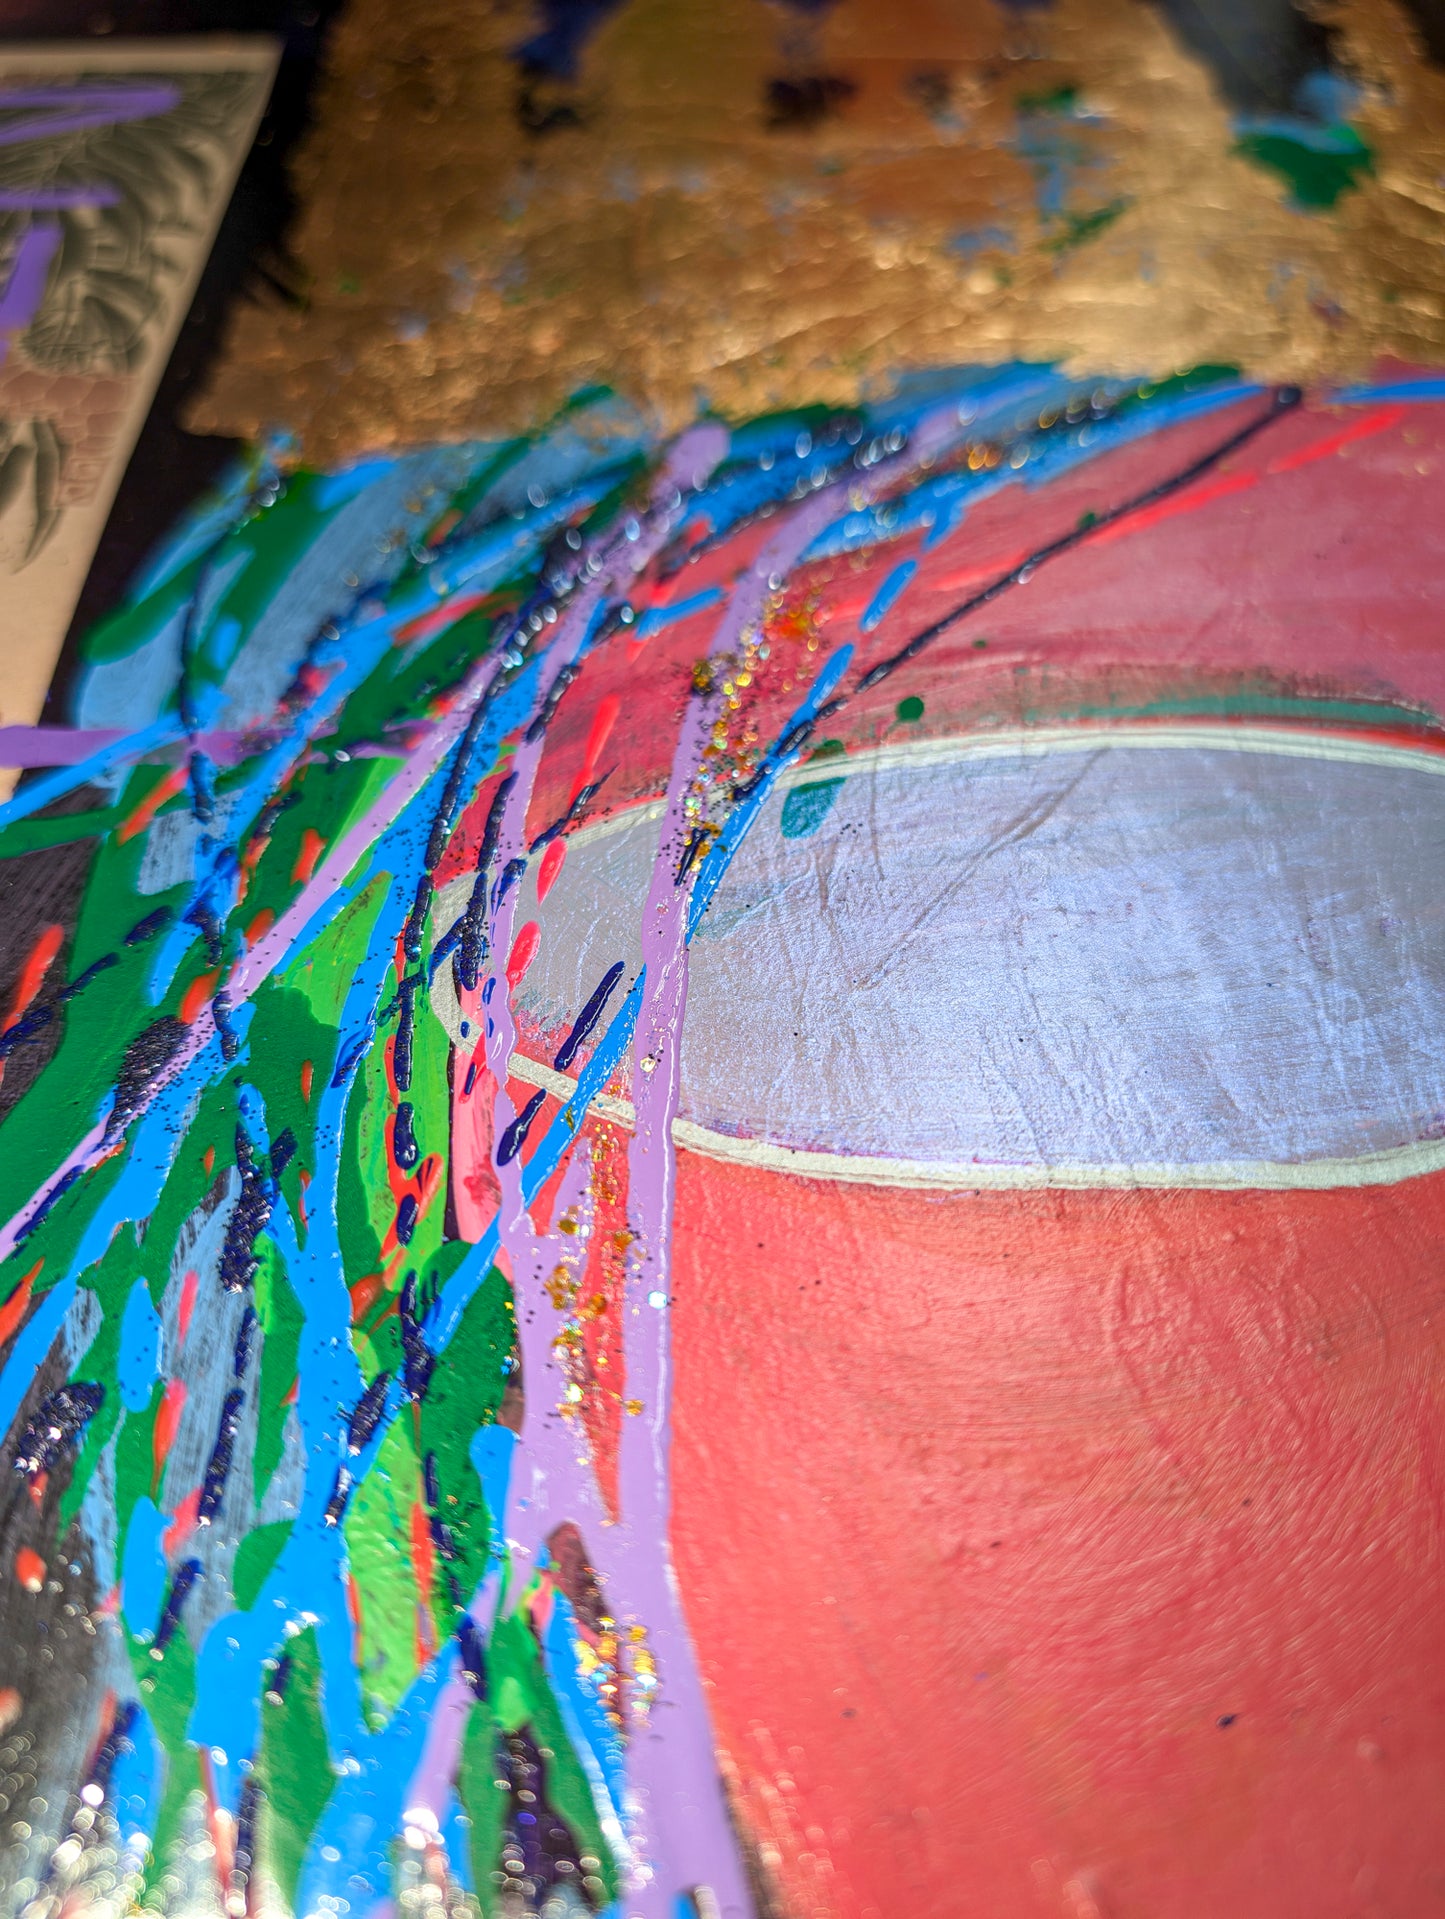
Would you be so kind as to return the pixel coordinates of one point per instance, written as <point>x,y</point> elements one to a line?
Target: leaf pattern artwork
<point>103,178</point>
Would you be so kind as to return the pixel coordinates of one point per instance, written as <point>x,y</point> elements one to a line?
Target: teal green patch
<point>806,807</point>
<point>1057,100</point>
<point>910,709</point>
<point>1316,176</point>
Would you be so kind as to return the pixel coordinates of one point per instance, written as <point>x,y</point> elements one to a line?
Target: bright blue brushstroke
<point>590,1729</point>
<point>887,595</point>
<point>658,617</point>
<point>139,1366</point>
<point>135,1780</point>
<point>143,1567</point>
<point>65,779</point>
<point>490,1451</point>
<point>335,489</point>
<point>1415,390</point>
<point>29,1348</point>
<point>364,1812</point>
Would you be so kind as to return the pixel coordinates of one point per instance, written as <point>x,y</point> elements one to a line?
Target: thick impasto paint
<point>723,1175</point>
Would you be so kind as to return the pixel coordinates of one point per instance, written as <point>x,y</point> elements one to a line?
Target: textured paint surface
<point>431,1481</point>
<point>1081,953</point>
<point>765,202</point>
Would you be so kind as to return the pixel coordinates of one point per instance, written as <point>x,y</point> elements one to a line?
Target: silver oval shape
<point>1202,957</point>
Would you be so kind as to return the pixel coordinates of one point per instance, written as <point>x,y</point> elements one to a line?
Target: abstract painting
<point>722,1111</point>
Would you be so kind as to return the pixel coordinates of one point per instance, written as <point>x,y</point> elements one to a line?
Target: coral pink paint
<point>598,734</point>
<point>187,1304</point>
<point>475,1192</point>
<point>423,1563</point>
<point>552,862</point>
<point>1122,1568</point>
<point>141,816</point>
<point>183,1523</point>
<point>168,1419</point>
<point>38,962</point>
<point>197,996</point>
<point>524,951</point>
<point>15,1308</point>
<point>313,845</point>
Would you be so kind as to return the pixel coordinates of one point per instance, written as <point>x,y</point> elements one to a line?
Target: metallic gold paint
<point>466,275</point>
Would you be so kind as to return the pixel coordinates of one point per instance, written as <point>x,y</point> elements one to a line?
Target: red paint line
<point>141,816</point>
<point>14,1309</point>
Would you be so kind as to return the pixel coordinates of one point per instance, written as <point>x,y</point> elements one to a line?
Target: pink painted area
<point>523,952</point>
<point>1068,1540</point>
<point>475,1192</point>
<point>183,1523</point>
<point>553,860</point>
<point>187,1304</point>
<point>1275,571</point>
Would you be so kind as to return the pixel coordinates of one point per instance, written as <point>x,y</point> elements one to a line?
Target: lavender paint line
<point>631,1559</point>
<point>56,199</point>
<point>27,746</point>
<point>29,271</point>
<point>36,746</point>
<point>268,953</point>
<point>531,1256</point>
<point>676,1791</point>
<point>72,109</point>
<point>673,1770</point>
<point>131,746</point>
<point>431,1783</point>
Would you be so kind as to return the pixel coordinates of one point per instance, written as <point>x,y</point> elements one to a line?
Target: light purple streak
<point>29,271</point>
<point>56,199</point>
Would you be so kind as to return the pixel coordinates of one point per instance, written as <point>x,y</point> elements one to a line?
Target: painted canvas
<point>115,165</point>
<point>723,1116</point>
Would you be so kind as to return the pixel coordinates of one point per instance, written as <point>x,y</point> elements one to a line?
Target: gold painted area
<point>650,228</point>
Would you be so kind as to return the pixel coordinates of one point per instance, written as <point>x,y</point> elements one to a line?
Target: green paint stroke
<point>1317,171</point>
